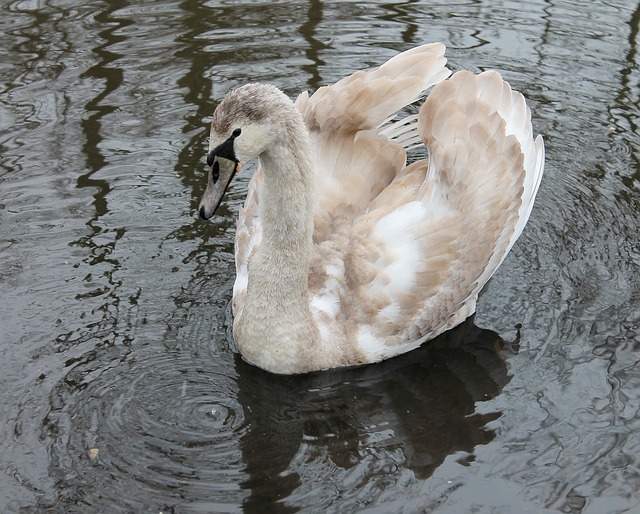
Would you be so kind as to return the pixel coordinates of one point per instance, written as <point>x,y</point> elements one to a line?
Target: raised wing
<point>415,260</point>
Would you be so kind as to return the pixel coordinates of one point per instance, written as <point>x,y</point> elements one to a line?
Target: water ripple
<point>161,425</point>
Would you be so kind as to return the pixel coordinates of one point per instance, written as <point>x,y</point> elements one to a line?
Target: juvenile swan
<point>345,254</point>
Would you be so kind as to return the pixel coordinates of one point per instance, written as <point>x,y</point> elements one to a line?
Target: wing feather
<point>429,242</point>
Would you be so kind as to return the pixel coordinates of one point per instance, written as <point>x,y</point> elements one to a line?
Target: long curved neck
<point>277,326</point>
<point>287,197</point>
<point>287,225</point>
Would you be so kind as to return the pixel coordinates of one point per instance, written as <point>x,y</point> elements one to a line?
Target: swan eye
<point>236,132</point>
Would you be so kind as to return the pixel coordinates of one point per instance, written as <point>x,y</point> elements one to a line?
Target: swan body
<point>346,254</point>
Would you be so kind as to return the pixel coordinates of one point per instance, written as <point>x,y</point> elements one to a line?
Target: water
<point>119,389</point>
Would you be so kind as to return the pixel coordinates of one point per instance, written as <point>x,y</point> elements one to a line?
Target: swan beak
<point>220,174</point>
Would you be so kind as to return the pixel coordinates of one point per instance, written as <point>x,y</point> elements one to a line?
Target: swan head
<point>243,127</point>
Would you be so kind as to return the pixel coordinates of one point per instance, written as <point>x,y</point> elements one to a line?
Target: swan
<point>347,255</point>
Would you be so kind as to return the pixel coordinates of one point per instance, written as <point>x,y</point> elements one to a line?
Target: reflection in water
<point>101,241</point>
<point>627,120</point>
<point>307,30</point>
<point>366,423</point>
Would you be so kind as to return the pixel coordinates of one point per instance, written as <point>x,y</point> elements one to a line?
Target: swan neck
<point>276,330</point>
<point>287,208</point>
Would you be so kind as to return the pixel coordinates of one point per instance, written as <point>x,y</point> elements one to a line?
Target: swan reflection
<point>408,413</point>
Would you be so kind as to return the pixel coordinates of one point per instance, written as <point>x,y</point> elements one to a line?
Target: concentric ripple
<point>156,427</point>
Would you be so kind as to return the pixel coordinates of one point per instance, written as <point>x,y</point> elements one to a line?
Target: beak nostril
<point>215,171</point>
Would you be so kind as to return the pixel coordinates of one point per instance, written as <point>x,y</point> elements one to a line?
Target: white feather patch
<point>394,230</point>
<point>372,346</point>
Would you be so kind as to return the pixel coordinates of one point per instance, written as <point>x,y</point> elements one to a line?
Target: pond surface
<point>120,390</point>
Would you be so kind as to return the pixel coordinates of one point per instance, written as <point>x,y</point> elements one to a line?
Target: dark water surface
<point>119,388</point>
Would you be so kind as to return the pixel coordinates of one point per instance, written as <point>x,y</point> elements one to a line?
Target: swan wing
<point>336,116</point>
<point>414,261</point>
<point>367,98</point>
<point>479,135</point>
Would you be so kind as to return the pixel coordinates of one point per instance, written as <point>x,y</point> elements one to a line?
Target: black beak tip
<point>203,213</point>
